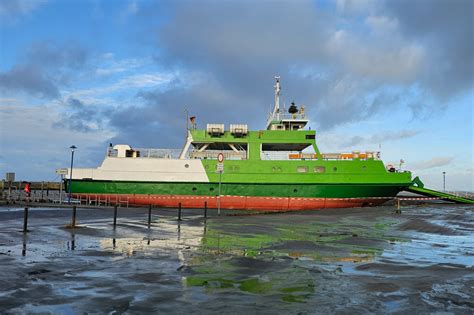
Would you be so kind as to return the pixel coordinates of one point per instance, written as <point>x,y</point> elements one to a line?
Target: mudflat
<point>328,261</point>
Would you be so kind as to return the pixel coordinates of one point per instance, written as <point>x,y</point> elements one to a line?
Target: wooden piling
<point>205,209</point>
<point>179,211</point>
<point>149,216</point>
<point>23,250</point>
<point>73,221</point>
<point>25,220</point>
<point>115,216</point>
<point>73,241</point>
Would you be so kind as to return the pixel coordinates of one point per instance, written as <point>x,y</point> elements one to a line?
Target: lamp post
<point>444,181</point>
<point>73,147</point>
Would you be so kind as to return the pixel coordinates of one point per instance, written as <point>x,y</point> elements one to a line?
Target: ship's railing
<point>287,116</point>
<point>103,200</point>
<point>463,194</point>
<point>369,155</point>
<point>157,153</point>
<point>295,155</point>
<point>212,154</point>
<point>277,155</point>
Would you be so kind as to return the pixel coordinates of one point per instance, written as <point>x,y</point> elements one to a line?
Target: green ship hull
<point>238,189</point>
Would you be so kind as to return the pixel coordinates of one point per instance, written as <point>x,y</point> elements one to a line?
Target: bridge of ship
<point>272,144</point>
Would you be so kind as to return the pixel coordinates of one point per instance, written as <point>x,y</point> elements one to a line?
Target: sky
<point>395,76</point>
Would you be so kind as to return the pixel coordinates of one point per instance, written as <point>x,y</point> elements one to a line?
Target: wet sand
<point>366,260</point>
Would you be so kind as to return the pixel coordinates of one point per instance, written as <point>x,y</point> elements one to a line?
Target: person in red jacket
<point>27,190</point>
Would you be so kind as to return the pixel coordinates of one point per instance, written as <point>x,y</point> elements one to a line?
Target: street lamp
<point>73,147</point>
<point>444,181</point>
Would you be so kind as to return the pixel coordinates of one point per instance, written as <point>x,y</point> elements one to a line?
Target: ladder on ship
<point>417,187</point>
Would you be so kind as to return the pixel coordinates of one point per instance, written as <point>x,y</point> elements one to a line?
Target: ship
<point>277,169</point>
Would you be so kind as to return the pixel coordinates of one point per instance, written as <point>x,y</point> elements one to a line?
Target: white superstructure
<point>127,164</point>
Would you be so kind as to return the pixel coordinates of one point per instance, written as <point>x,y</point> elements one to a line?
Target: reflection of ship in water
<point>164,236</point>
<point>310,241</point>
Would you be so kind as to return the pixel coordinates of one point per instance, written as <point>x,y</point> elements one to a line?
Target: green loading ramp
<point>419,189</point>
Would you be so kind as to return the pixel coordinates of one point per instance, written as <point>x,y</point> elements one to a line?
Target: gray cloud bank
<point>80,117</point>
<point>45,67</point>
<point>346,61</point>
<point>345,64</point>
<point>381,137</point>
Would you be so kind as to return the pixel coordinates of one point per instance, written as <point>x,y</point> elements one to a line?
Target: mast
<point>275,114</point>
<point>294,119</point>
<point>276,108</point>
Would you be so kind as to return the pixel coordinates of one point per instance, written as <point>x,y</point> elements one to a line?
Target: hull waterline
<point>231,202</point>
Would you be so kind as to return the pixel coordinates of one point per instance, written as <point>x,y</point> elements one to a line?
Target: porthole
<point>334,169</point>
<point>364,167</point>
<point>186,165</point>
<point>194,188</point>
<point>211,189</point>
<point>295,190</point>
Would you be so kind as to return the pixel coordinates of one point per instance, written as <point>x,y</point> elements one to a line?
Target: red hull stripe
<point>231,202</point>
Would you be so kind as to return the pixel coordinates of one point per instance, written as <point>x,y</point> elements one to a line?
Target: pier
<point>41,191</point>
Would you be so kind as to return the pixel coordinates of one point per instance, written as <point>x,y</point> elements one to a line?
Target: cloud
<point>45,68</point>
<point>127,83</point>
<point>381,137</point>
<point>446,30</point>
<point>345,64</point>
<point>132,8</point>
<point>28,78</point>
<point>228,61</point>
<point>159,120</point>
<point>345,61</point>
<point>355,7</point>
<point>80,117</point>
<point>52,54</point>
<point>35,149</point>
<point>338,141</point>
<point>433,163</point>
<point>11,9</point>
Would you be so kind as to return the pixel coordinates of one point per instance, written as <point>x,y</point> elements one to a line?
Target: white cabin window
<point>302,169</point>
